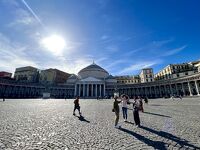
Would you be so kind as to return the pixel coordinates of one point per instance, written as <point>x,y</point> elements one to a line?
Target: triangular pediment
<point>90,79</point>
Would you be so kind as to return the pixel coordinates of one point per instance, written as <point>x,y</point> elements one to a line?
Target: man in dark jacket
<point>116,110</point>
<point>136,108</point>
<point>76,105</point>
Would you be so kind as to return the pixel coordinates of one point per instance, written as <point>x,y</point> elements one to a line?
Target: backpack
<point>136,105</point>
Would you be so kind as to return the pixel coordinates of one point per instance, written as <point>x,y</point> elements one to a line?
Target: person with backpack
<point>76,105</point>
<point>136,108</point>
<point>116,110</point>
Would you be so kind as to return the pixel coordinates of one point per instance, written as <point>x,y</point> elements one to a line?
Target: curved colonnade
<point>185,86</point>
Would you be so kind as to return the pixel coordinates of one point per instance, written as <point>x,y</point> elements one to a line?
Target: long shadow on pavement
<point>157,114</point>
<point>81,118</point>
<point>155,144</point>
<point>181,142</point>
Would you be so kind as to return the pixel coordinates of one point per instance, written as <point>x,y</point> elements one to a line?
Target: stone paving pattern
<point>49,124</point>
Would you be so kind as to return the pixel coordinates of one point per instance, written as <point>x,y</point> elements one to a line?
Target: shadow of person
<point>157,114</point>
<point>81,118</point>
<point>155,144</point>
<point>182,142</point>
<point>128,122</point>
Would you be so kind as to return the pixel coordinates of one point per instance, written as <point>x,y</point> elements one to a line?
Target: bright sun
<point>54,44</point>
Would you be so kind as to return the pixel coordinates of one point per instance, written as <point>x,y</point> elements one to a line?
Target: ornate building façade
<point>94,81</point>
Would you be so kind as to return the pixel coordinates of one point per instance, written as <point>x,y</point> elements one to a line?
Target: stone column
<point>177,92</point>
<point>145,91</point>
<point>155,91</point>
<point>92,94</point>
<point>150,91</point>
<point>104,90</point>
<point>100,85</point>
<point>165,89</point>
<point>88,86</point>
<point>197,88</point>
<point>75,90</point>
<point>182,85</point>
<point>136,91</point>
<point>79,90</point>
<point>190,89</point>
<point>159,88</point>
<point>96,90</point>
<point>171,91</point>
<point>83,90</point>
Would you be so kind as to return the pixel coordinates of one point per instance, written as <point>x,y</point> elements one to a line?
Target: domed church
<point>91,81</point>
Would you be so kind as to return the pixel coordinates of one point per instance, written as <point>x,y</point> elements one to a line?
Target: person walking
<point>146,100</point>
<point>141,104</point>
<point>136,107</point>
<point>76,105</point>
<point>116,110</point>
<point>125,101</point>
<point>3,98</point>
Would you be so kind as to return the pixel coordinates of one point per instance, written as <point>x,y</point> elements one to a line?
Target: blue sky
<point>122,36</point>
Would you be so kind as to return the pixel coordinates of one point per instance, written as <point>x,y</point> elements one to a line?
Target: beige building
<point>53,76</point>
<point>196,64</point>
<point>147,75</point>
<point>176,70</point>
<point>26,74</point>
<point>128,79</point>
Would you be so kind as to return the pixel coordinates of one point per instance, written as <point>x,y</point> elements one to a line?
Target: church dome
<point>93,70</point>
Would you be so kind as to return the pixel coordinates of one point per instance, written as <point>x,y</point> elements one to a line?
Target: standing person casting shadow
<point>136,108</point>
<point>116,110</point>
<point>146,100</point>
<point>76,106</point>
<point>125,101</point>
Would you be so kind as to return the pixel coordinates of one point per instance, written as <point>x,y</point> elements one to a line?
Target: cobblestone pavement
<point>49,124</point>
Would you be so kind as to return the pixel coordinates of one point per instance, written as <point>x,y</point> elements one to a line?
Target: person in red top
<point>76,105</point>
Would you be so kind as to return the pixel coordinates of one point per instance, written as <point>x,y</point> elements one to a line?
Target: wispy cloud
<point>112,48</point>
<point>22,17</point>
<point>11,2</point>
<point>174,51</point>
<point>13,55</point>
<point>32,12</point>
<point>162,42</point>
<point>133,52</point>
<point>138,66</point>
<point>104,37</point>
<point>102,3</point>
<point>113,64</point>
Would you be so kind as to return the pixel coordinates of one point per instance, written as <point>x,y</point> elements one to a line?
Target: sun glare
<point>54,44</point>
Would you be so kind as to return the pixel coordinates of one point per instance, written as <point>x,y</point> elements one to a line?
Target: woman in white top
<point>124,101</point>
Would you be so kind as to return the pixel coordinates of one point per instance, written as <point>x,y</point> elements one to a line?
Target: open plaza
<point>49,124</point>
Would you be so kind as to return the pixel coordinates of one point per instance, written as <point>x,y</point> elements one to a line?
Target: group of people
<point>137,105</point>
<point>173,97</point>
